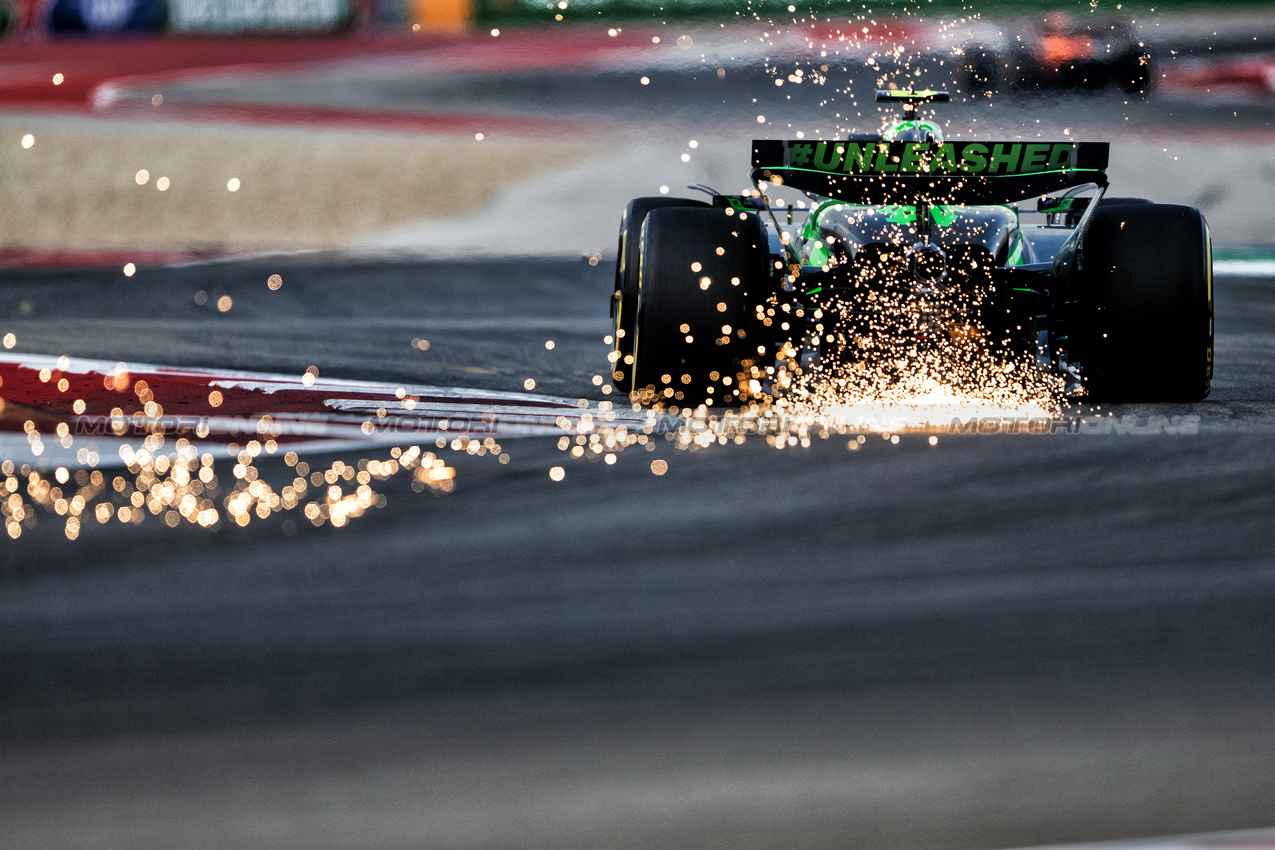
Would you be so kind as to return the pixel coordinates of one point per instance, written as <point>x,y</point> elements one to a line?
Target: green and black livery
<point>716,297</point>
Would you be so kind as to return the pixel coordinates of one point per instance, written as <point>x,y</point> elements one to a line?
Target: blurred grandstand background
<point>35,19</point>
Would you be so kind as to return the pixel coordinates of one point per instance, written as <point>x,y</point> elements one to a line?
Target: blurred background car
<point>1063,52</point>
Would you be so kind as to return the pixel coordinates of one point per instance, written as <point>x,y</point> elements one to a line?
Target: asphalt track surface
<point>999,640</point>
<point>996,641</point>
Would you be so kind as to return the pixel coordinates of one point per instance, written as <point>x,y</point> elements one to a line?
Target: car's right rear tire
<point>1144,286</point>
<point>702,274</point>
<point>981,70</point>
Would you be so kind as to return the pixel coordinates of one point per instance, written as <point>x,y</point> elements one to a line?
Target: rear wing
<point>959,173</point>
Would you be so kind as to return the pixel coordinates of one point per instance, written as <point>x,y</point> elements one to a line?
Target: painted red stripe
<point>876,31</point>
<point>59,258</point>
<point>275,115</point>
<point>26,70</point>
<point>1254,73</point>
<point>39,422</point>
<point>32,393</point>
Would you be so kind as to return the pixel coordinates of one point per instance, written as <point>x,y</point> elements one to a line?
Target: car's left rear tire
<point>1133,71</point>
<point>702,273</point>
<point>624,300</point>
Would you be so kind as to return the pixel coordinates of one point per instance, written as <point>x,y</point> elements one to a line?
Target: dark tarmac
<point>996,641</point>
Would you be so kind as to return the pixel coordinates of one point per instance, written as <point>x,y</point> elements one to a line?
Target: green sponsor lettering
<point>1035,157</point>
<point>1003,157</point>
<point>896,214</point>
<point>974,158</point>
<point>914,157</point>
<point>944,215</point>
<point>884,163</point>
<point>799,154</point>
<point>825,162</point>
<point>946,161</point>
<point>1060,156</point>
<point>857,158</point>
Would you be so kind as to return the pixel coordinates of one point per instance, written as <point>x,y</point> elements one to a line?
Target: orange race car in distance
<point>1063,53</point>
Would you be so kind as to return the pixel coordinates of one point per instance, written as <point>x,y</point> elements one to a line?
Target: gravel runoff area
<point>86,183</point>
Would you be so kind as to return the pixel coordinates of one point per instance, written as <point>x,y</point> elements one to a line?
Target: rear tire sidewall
<point>680,251</point>
<point>1145,292</point>
<point>628,254</point>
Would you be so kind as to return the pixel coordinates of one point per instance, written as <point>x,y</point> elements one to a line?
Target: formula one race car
<point>904,242</point>
<point>1062,53</point>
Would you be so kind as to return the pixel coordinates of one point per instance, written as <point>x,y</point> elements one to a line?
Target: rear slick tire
<point>703,272</point>
<point>1144,284</point>
<point>624,303</point>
